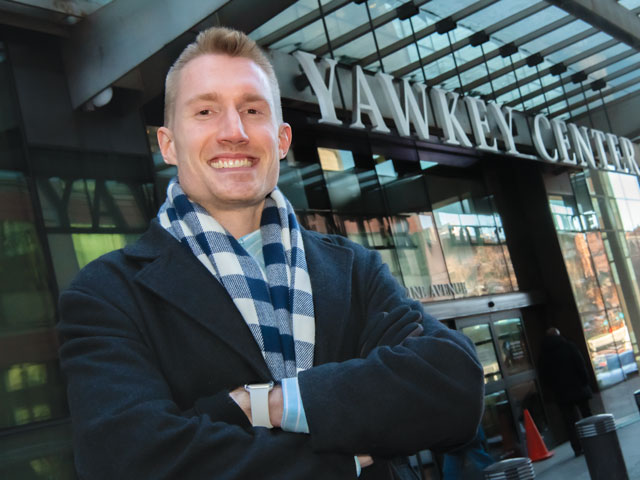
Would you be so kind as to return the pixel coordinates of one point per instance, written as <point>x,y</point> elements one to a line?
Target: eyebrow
<point>211,97</point>
<point>214,97</point>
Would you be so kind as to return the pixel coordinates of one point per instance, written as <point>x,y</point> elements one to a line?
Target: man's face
<point>224,136</point>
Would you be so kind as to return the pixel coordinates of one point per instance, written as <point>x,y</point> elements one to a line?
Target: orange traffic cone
<point>535,445</point>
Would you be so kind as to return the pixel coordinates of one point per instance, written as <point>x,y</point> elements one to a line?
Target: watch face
<point>255,386</point>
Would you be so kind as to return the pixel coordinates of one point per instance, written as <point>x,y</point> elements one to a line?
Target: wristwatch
<point>259,395</point>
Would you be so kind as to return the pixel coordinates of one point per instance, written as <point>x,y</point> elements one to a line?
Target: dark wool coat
<point>153,343</point>
<point>563,368</point>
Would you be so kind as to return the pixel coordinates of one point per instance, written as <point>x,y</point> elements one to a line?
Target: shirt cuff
<point>293,416</point>
<point>358,466</point>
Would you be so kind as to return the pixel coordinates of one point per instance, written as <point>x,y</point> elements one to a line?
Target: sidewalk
<point>564,465</point>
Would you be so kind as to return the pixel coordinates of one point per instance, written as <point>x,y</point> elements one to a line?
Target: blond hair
<point>223,41</point>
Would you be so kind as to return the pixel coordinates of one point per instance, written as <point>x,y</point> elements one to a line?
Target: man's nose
<point>232,128</point>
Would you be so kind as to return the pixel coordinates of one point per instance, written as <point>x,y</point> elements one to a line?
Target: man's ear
<point>167,146</point>
<point>284,139</point>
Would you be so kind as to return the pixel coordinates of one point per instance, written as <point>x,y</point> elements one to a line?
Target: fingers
<point>365,460</point>
<point>390,328</point>
<point>241,397</point>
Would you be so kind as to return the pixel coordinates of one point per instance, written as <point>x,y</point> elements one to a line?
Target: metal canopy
<point>524,40</point>
<point>502,50</point>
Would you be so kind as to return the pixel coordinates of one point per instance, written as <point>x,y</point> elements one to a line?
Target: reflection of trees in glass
<point>30,389</point>
<point>419,253</point>
<point>578,263</point>
<point>472,248</point>
<point>603,269</point>
<point>25,299</point>
<point>633,241</point>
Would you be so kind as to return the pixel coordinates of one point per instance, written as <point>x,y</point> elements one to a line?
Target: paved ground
<point>563,465</point>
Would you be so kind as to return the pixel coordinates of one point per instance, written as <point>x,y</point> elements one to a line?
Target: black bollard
<point>636,395</point>
<point>601,447</point>
<point>511,469</point>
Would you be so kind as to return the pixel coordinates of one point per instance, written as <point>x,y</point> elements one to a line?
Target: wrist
<point>276,405</point>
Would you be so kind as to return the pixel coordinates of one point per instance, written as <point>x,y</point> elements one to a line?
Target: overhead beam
<point>118,37</point>
<point>35,24</point>
<point>608,16</point>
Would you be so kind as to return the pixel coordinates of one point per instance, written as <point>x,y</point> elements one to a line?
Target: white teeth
<point>233,163</point>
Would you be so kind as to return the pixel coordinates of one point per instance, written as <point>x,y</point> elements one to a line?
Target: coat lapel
<point>330,272</point>
<point>178,278</point>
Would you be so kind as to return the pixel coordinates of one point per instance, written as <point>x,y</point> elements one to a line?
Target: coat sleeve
<point>126,425</point>
<point>426,392</point>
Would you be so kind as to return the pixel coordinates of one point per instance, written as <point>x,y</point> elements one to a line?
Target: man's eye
<point>252,111</point>
<point>206,111</point>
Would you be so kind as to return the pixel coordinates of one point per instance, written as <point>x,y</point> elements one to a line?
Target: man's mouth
<point>232,162</point>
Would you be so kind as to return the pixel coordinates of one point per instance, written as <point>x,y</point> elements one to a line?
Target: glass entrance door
<point>510,380</point>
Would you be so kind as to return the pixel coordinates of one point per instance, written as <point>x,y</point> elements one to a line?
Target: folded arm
<point>423,392</point>
<point>126,424</point>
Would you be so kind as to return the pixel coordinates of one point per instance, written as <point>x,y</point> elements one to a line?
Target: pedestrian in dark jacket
<point>563,368</point>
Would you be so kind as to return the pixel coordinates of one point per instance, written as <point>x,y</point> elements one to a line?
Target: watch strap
<point>259,396</point>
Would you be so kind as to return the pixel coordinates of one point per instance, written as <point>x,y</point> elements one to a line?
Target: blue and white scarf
<point>279,308</point>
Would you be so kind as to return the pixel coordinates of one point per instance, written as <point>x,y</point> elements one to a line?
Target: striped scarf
<point>278,308</point>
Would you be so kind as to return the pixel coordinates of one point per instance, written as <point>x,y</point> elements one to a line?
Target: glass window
<point>31,389</point>
<point>578,262</point>
<point>297,10</point>
<point>576,49</point>
<point>481,337</point>
<point>58,466</point>
<point>373,233</point>
<point>596,258</point>
<point>86,218</point>
<point>468,232</point>
<point>556,36</point>
<point>11,153</point>
<point>525,396</point>
<point>494,13</point>
<point>499,427</point>
<point>530,24</point>
<point>442,9</point>
<point>415,235</point>
<point>512,346</point>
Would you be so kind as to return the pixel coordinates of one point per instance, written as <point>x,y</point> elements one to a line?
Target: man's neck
<point>239,222</point>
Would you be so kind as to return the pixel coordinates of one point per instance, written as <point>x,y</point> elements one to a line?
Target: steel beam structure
<point>112,42</point>
<point>362,30</point>
<point>492,54</point>
<point>608,16</point>
<point>405,42</point>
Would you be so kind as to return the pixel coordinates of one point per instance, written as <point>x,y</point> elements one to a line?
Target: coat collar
<point>175,275</point>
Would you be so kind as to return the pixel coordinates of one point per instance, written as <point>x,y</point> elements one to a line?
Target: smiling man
<point>230,343</point>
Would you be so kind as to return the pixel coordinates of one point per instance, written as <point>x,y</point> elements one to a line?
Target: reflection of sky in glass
<point>609,69</point>
<point>295,11</point>
<point>494,13</point>
<point>556,36</point>
<point>445,8</point>
<point>529,24</point>
<point>592,61</point>
<point>626,191</point>
<point>311,34</point>
<point>629,3</point>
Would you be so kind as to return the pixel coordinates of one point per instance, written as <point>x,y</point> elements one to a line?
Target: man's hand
<point>241,397</point>
<point>390,328</point>
<point>365,460</point>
